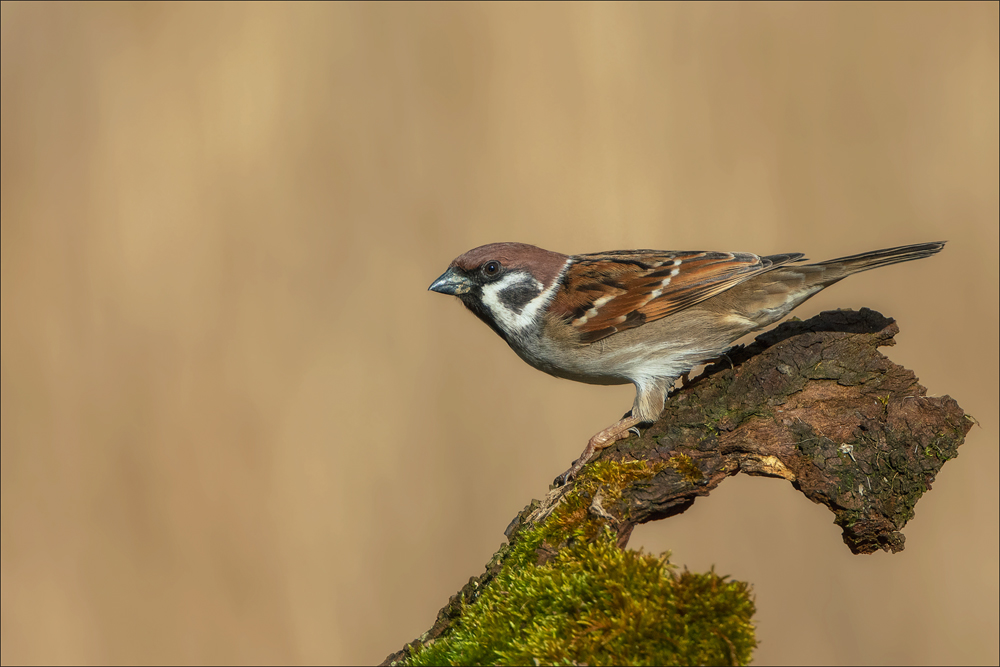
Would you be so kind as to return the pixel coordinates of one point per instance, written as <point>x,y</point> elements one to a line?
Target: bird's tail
<point>772,295</point>
<point>844,266</point>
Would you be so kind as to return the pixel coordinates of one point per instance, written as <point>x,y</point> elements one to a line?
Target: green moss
<point>594,603</point>
<point>572,520</point>
<point>686,466</point>
<point>937,449</point>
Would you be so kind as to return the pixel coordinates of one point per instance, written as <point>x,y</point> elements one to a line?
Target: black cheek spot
<point>517,297</point>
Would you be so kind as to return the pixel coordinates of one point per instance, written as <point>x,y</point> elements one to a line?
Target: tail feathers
<point>771,295</point>
<point>877,258</point>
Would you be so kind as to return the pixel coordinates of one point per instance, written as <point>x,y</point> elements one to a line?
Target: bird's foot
<point>569,475</point>
<point>617,431</point>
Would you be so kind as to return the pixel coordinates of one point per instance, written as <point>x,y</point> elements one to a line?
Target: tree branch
<point>812,402</point>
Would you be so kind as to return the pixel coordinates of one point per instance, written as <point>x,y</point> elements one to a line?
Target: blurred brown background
<point>235,425</point>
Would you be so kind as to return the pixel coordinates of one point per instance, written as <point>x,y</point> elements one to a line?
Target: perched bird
<point>640,316</point>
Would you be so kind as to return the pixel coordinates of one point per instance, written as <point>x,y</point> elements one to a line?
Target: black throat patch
<point>473,301</point>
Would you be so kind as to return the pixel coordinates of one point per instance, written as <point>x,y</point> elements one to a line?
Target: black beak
<point>452,283</point>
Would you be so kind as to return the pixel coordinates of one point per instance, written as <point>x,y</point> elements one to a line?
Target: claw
<point>636,431</point>
<point>568,476</point>
<point>563,479</point>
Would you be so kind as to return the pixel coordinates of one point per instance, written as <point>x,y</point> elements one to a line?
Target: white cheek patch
<point>508,318</point>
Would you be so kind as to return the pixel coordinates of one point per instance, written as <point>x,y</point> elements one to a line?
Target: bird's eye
<point>491,268</point>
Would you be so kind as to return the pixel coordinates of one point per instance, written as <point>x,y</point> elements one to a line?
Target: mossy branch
<point>812,402</point>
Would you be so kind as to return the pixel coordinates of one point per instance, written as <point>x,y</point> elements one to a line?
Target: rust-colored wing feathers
<point>609,292</point>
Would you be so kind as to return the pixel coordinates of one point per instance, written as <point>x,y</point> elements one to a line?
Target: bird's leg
<point>612,434</point>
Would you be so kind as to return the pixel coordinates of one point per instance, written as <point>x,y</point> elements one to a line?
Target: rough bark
<point>812,402</point>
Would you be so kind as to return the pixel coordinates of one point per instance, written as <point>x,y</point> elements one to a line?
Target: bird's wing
<point>613,291</point>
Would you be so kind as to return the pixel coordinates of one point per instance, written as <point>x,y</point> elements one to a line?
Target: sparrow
<point>644,317</point>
